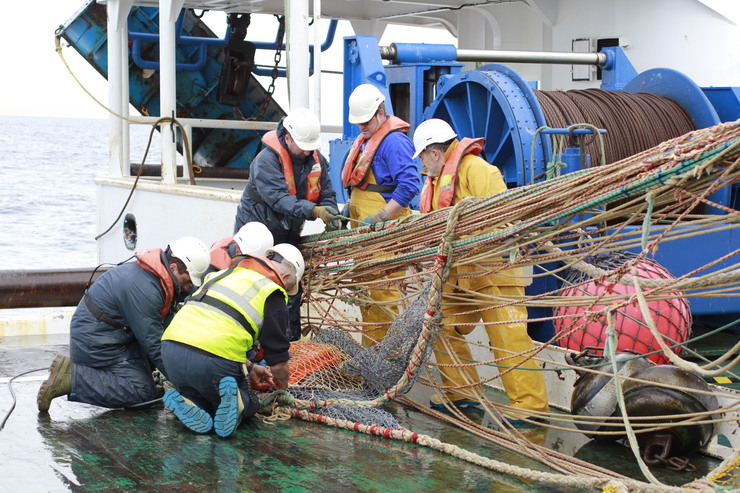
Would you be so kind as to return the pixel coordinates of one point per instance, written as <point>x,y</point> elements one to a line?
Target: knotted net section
<point>547,230</point>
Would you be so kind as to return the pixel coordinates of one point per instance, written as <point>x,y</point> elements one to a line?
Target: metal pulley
<point>690,394</point>
<point>594,394</point>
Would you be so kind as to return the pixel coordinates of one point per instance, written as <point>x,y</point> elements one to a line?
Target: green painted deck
<point>84,448</point>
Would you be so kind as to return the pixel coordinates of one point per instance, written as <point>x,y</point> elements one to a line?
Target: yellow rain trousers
<point>385,307</point>
<point>525,388</point>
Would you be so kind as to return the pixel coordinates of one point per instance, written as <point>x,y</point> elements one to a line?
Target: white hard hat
<point>293,258</point>
<point>194,254</point>
<point>434,131</point>
<point>364,102</point>
<point>254,238</point>
<point>303,125</point>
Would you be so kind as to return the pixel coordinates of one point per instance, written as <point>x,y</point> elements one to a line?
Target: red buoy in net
<point>584,324</point>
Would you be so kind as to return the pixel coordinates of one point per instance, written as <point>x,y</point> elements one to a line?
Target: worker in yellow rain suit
<point>455,171</point>
<point>382,179</point>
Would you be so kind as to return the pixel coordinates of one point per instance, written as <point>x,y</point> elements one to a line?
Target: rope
<point>523,473</point>
<point>531,226</point>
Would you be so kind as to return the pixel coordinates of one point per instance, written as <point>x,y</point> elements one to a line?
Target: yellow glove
<point>325,213</point>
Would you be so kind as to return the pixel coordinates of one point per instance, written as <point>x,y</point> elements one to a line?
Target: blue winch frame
<point>494,102</point>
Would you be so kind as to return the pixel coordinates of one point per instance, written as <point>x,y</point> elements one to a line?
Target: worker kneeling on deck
<point>455,171</point>
<point>116,330</point>
<point>252,239</point>
<point>204,348</point>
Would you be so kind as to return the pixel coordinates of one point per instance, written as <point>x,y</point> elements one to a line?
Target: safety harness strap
<point>101,315</point>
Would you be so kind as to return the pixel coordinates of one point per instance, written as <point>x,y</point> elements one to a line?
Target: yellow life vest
<point>225,315</point>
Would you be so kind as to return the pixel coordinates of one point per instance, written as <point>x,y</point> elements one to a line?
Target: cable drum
<point>634,122</point>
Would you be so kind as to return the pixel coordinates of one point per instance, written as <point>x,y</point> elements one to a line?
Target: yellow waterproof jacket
<point>226,318</point>
<point>478,178</point>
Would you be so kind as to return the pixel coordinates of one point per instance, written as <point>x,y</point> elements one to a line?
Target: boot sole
<point>227,414</point>
<point>193,417</point>
<point>50,385</point>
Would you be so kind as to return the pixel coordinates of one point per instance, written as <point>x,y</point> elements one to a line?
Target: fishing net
<point>335,366</point>
<point>572,228</point>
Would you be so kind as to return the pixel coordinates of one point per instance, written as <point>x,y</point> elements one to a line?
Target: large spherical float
<point>581,322</point>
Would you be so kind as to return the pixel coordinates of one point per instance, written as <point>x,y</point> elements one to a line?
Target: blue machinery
<point>425,81</point>
<point>422,81</point>
<point>201,59</point>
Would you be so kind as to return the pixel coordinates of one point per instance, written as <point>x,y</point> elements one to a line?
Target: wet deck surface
<point>84,448</point>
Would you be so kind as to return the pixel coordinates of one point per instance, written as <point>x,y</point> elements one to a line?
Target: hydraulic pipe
<point>462,55</point>
<point>44,288</point>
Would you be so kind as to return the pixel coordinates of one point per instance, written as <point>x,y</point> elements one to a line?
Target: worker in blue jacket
<point>382,179</point>
<point>116,330</point>
<point>288,185</point>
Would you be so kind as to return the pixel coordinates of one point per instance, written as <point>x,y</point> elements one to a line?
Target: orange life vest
<point>151,260</point>
<point>448,176</point>
<point>313,181</point>
<point>220,257</point>
<point>260,264</point>
<point>353,174</point>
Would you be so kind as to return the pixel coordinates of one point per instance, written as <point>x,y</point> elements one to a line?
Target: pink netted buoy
<point>584,324</point>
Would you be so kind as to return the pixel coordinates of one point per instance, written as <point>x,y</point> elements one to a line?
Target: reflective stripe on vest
<point>204,323</point>
<point>313,182</point>
<point>448,176</point>
<point>241,302</point>
<point>355,171</point>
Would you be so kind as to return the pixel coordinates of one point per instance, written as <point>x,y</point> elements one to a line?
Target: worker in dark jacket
<point>289,181</point>
<point>205,347</point>
<point>116,329</point>
<point>289,185</point>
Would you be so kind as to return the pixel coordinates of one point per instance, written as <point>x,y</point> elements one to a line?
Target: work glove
<point>161,384</point>
<point>325,213</point>
<point>334,225</point>
<point>378,217</point>
<point>329,215</point>
<point>345,213</point>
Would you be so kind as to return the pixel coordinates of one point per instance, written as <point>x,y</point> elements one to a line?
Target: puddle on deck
<point>84,448</point>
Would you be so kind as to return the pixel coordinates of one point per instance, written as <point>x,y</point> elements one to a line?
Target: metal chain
<point>678,464</point>
<point>278,56</point>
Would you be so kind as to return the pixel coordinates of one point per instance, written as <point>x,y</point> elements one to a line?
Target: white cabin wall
<point>513,28</point>
<point>684,35</point>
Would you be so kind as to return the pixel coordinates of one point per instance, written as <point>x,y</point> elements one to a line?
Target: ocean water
<point>47,192</point>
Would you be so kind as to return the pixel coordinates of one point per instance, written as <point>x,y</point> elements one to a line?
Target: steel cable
<point>634,122</point>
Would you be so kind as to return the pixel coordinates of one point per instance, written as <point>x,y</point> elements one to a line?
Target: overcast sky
<point>35,82</point>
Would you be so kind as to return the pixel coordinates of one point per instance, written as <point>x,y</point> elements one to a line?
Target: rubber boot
<point>58,384</point>
<point>193,417</point>
<point>229,412</point>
